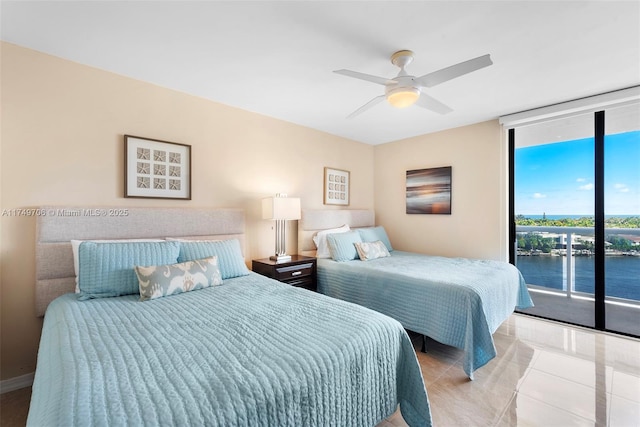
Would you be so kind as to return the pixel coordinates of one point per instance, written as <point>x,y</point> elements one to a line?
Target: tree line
<point>537,242</point>
<point>587,221</point>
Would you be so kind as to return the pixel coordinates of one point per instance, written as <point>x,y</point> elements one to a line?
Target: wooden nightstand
<point>300,271</point>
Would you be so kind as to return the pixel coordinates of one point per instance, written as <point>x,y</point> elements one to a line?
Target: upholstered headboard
<point>314,220</point>
<point>55,274</point>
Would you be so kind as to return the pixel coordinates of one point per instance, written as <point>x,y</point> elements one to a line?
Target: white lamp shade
<point>281,208</point>
<point>403,97</point>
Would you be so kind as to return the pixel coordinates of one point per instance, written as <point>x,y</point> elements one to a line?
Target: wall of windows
<point>575,210</point>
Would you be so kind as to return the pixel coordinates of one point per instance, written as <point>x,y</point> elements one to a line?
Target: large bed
<point>248,351</point>
<point>456,301</point>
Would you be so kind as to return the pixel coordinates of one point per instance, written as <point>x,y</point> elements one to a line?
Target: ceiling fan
<point>405,90</point>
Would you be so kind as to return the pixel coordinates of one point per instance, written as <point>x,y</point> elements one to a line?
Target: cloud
<point>586,187</point>
<point>621,188</point>
<point>539,196</point>
<point>580,180</point>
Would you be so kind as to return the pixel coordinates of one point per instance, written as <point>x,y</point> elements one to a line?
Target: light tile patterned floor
<point>545,374</point>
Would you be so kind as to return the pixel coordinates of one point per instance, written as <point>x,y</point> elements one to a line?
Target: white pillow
<point>75,244</point>
<point>320,240</point>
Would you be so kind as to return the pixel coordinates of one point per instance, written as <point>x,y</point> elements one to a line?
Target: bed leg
<point>424,344</point>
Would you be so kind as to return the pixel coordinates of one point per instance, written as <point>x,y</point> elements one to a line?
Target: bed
<point>247,351</point>
<point>456,301</point>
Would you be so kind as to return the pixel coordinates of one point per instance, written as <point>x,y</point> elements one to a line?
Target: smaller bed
<point>456,301</point>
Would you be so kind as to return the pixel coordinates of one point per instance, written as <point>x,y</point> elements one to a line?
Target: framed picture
<point>429,191</point>
<point>336,187</point>
<point>156,169</point>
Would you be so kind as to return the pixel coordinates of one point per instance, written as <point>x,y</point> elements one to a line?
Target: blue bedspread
<point>252,351</point>
<point>456,301</point>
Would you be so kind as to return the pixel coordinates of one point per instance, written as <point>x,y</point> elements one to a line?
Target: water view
<point>547,271</point>
<point>568,171</point>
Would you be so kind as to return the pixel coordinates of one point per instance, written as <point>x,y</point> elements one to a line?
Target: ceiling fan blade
<point>430,103</point>
<point>366,106</point>
<point>367,77</point>
<point>449,73</point>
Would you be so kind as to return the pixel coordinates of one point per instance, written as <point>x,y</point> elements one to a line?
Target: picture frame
<point>428,191</point>
<point>336,187</point>
<point>156,169</point>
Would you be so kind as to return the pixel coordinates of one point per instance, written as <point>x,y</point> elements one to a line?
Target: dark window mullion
<point>599,267</point>
<point>512,202</point>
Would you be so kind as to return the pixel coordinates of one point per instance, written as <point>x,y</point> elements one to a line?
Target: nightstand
<point>299,272</point>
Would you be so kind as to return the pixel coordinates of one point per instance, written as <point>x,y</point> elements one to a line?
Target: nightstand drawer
<point>305,282</point>
<point>300,271</point>
<point>291,272</point>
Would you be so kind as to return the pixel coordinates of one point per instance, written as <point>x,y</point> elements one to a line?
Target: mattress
<point>456,301</point>
<point>252,351</point>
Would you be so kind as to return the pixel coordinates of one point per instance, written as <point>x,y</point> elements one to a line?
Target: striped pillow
<point>106,269</point>
<point>229,253</point>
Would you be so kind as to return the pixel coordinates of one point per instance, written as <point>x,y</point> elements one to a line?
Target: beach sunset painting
<point>429,191</point>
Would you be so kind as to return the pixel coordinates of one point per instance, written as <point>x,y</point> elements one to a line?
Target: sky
<point>558,178</point>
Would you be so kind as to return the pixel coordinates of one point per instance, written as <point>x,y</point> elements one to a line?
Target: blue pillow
<point>373,234</point>
<point>229,253</point>
<point>106,269</point>
<point>342,245</point>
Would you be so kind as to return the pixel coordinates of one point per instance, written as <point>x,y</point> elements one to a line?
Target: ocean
<point>622,274</point>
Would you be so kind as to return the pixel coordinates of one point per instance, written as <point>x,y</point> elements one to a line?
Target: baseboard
<point>16,383</point>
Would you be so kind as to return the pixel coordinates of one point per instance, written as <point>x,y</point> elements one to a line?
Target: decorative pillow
<point>372,250</point>
<point>320,240</point>
<point>106,269</point>
<point>75,244</point>
<point>341,245</point>
<point>373,234</point>
<point>162,280</point>
<point>229,253</point>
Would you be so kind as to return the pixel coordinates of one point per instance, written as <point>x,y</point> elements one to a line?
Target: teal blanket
<point>251,352</point>
<point>456,301</point>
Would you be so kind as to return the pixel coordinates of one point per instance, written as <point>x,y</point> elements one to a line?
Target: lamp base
<point>280,258</point>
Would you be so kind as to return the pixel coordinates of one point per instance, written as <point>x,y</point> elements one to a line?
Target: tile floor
<point>545,374</point>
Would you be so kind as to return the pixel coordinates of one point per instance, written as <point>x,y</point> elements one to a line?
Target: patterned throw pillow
<point>372,250</point>
<point>162,280</point>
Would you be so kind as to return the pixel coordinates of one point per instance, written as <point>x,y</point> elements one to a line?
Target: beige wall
<point>62,144</point>
<point>476,227</point>
<point>62,127</point>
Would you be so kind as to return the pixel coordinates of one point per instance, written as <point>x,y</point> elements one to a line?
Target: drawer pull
<point>296,273</point>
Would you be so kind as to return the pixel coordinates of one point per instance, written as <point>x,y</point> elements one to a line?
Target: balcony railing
<point>568,279</point>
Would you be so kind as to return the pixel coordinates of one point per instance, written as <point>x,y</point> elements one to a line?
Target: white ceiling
<point>276,58</point>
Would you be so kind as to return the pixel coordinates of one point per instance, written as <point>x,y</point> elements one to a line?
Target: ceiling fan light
<point>403,97</point>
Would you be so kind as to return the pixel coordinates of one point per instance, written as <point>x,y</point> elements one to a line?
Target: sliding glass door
<point>622,227</point>
<point>576,217</point>
<point>554,206</point>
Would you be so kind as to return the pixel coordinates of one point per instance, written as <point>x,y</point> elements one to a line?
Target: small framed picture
<point>156,169</point>
<point>336,187</point>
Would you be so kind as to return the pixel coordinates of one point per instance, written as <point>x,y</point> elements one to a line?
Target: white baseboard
<point>16,383</point>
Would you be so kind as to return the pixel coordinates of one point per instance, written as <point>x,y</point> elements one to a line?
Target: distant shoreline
<point>580,253</point>
<point>573,216</point>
